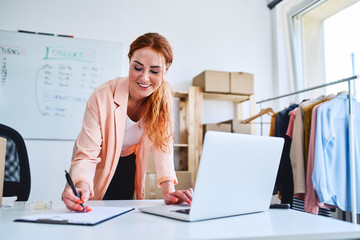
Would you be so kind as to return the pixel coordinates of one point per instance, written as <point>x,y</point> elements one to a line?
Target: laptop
<point>236,175</point>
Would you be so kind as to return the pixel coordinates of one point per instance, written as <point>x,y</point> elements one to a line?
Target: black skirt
<point>122,184</point>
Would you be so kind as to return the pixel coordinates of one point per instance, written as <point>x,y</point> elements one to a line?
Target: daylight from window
<point>342,48</point>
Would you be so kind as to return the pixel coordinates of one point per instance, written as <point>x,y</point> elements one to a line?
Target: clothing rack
<point>351,136</point>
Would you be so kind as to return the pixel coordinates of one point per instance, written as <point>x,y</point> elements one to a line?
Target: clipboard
<point>96,216</point>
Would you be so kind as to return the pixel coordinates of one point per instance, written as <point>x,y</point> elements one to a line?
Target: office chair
<point>17,169</point>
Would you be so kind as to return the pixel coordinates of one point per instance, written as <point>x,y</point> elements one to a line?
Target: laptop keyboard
<point>184,211</point>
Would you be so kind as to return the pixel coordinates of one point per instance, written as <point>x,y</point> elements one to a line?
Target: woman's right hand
<point>72,202</point>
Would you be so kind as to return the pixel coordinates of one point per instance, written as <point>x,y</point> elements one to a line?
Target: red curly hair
<point>157,116</point>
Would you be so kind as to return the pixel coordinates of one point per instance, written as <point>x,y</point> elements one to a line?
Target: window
<point>325,43</point>
<point>342,47</point>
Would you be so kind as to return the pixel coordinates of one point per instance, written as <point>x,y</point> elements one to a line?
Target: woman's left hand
<point>179,197</point>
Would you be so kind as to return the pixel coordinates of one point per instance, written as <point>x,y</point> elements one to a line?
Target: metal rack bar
<point>311,88</point>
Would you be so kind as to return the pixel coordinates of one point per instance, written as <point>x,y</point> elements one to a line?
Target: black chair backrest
<point>17,180</point>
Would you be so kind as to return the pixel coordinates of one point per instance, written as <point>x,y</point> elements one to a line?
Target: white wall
<point>228,35</point>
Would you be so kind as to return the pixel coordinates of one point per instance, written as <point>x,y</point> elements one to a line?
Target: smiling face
<point>145,72</point>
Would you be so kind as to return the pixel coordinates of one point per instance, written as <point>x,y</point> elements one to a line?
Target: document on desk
<point>96,216</point>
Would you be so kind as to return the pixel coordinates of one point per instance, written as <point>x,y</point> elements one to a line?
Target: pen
<point>70,182</point>
<point>23,31</point>
<point>62,35</point>
<point>48,34</point>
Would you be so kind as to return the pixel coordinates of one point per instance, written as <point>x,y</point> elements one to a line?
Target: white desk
<point>273,224</point>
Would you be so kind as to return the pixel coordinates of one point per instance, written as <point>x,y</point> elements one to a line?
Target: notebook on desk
<point>236,176</point>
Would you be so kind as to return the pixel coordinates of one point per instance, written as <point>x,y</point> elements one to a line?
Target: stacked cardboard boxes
<point>225,82</point>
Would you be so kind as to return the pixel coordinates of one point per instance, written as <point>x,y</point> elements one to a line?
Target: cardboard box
<point>220,127</point>
<point>241,83</point>
<point>184,179</point>
<point>213,81</point>
<point>152,191</point>
<point>237,127</point>
<point>242,128</point>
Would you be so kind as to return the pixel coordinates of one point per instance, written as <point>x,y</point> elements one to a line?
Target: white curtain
<point>283,57</point>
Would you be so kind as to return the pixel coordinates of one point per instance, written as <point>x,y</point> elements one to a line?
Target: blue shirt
<point>331,175</point>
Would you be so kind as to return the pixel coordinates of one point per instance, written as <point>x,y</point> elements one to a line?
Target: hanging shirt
<point>282,121</point>
<point>272,124</point>
<point>307,126</point>
<point>312,203</point>
<point>311,200</point>
<point>284,183</point>
<point>290,129</point>
<point>331,175</point>
<point>297,147</point>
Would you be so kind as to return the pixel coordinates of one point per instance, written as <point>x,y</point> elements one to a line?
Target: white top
<point>132,136</point>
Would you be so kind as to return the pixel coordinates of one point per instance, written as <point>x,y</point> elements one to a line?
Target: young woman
<point>125,118</point>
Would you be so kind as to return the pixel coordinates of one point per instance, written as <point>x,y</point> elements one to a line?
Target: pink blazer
<point>98,147</point>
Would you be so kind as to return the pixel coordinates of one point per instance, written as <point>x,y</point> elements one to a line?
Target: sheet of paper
<point>97,215</point>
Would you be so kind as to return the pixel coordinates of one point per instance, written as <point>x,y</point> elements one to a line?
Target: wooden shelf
<point>181,145</point>
<point>181,94</point>
<point>216,96</point>
<point>226,97</point>
<point>190,123</point>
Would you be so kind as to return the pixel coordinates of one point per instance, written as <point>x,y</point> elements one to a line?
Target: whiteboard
<point>46,81</point>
